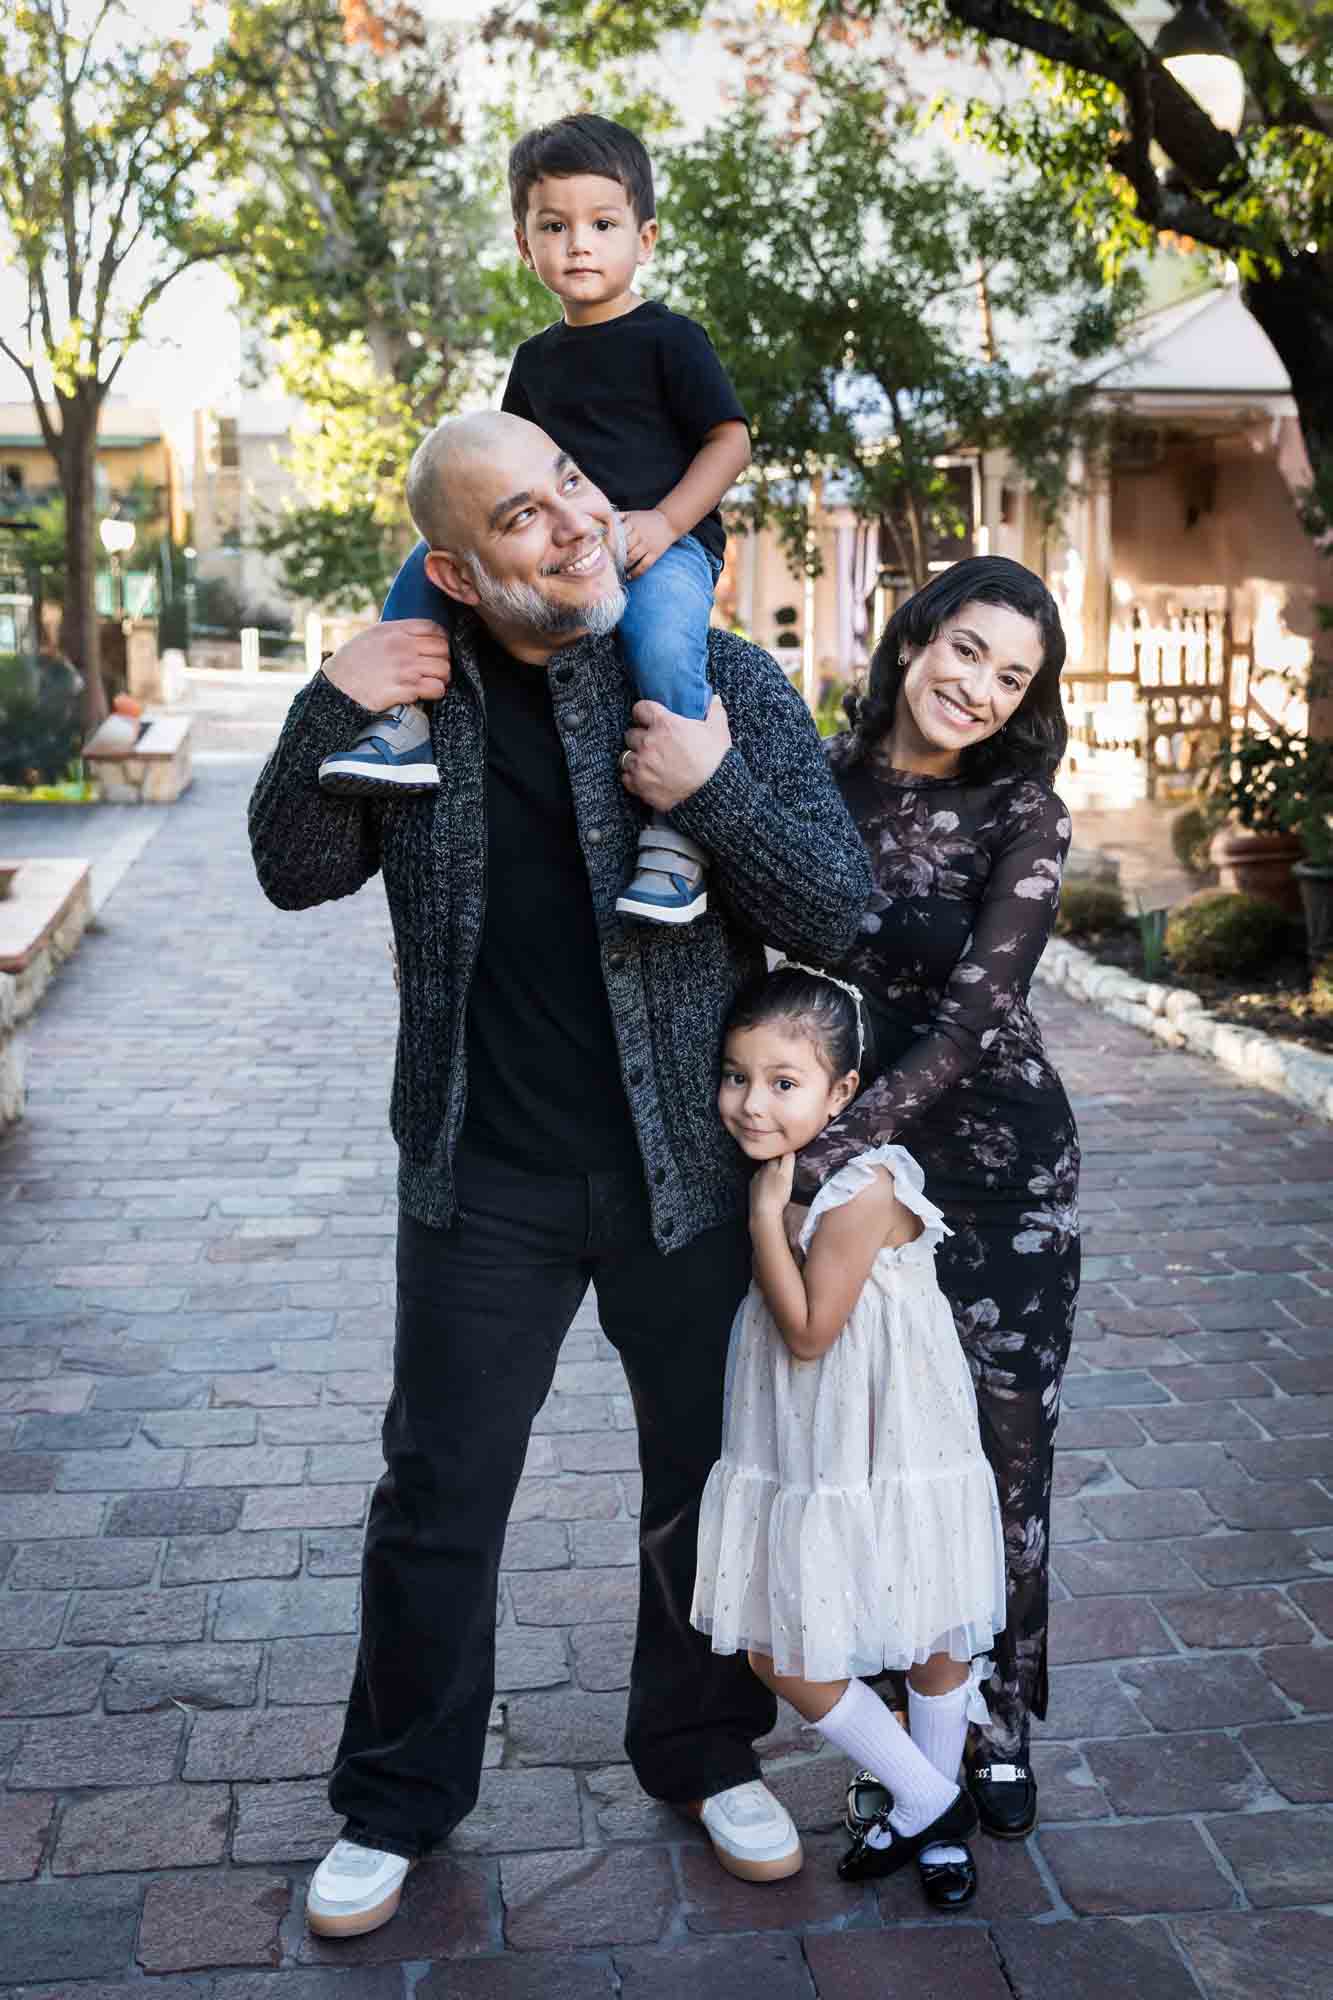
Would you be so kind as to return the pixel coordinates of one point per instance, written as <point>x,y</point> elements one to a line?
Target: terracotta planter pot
<point>1314,879</point>
<point>1258,864</point>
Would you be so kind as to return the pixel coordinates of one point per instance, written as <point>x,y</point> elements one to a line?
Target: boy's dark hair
<point>583,144</point>
<point>814,1007</point>
<point>1034,738</point>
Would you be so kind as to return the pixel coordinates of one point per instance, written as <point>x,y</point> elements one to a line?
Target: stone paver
<point>196,1320</point>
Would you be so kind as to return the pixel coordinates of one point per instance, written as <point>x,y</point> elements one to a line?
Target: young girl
<point>851,1524</point>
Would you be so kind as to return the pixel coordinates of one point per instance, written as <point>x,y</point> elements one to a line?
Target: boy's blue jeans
<point>663,634</point>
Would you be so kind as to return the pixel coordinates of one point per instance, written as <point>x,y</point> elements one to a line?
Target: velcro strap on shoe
<point>1003,1774</point>
<point>668,841</point>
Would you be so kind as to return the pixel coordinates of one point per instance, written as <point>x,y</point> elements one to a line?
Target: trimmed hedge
<point>1228,934</point>
<point>1089,907</point>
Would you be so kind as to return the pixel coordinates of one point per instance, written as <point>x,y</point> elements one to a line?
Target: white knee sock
<point>939,1729</point>
<point>866,1731</point>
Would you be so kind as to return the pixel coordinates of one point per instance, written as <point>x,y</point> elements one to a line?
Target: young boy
<point>638,398</point>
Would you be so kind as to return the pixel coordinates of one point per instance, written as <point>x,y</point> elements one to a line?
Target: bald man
<point>554,1107</point>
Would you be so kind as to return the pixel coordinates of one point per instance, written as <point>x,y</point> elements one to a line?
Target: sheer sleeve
<point>990,979</point>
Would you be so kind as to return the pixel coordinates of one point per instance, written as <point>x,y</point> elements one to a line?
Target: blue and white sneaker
<point>670,878</point>
<point>392,755</point>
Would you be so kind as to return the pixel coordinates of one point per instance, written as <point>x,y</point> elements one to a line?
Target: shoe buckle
<point>1003,1774</point>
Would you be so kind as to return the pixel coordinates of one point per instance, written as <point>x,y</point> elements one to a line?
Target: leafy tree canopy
<point>876,310</point>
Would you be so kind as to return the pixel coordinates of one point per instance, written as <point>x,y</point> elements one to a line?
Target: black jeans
<point>482,1310</point>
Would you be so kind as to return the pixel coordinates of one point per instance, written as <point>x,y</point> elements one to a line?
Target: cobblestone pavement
<point>195,1236</point>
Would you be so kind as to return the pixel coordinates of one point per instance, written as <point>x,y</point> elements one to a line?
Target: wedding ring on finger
<point>625,756</point>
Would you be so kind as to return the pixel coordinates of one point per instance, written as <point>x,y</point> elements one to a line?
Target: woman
<point>947,771</point>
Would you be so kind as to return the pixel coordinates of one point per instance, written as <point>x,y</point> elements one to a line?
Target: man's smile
<point>584,565</point>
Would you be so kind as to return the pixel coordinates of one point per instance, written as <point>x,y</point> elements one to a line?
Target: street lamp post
<point>1194,49</point>
<point>117,540</point>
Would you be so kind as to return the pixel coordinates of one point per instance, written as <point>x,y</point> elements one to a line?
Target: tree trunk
<point>1296,312</point>
<point>78,463</point>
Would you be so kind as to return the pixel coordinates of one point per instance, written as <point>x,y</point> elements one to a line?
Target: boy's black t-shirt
<point>631,400</point>
<point>544,1084</point>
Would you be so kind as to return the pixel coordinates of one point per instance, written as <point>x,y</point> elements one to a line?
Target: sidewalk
<point>196,1230</point>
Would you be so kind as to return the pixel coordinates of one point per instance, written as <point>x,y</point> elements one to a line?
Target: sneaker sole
<point>760,1871</point>
<point>358,780</point>
<point>658,913</point>
<point>327,1923</point>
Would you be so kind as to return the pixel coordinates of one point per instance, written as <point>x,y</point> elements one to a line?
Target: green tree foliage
<point>876,310</point>
<point>1106,124</point>
<point>361,244</point>
<point>106,134</point>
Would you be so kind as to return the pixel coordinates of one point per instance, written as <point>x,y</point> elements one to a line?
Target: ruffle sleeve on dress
<point>908,1184</point>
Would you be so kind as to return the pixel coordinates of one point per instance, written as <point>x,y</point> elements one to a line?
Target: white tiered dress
<point>851,1523</point>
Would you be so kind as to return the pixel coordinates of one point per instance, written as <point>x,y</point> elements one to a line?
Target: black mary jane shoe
<point>1005,1796</point>
<point>864,1863</point>
<point>948,1885</point>
<point>866,1796</point>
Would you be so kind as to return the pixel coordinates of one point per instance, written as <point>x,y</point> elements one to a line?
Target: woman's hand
<point>770,1190</point>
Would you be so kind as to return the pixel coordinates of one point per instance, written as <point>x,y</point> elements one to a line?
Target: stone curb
<point>1173,1015</point>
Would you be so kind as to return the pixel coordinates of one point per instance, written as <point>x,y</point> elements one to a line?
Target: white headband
<point>817,972</point>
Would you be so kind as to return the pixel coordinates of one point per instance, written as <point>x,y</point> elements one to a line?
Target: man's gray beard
<point>528,607</point>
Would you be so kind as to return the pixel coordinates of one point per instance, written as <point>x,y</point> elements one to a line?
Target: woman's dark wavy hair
<point>1034,738</point>
<point>813,1007</point>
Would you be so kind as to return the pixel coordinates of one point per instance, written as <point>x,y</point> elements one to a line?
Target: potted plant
<point>1253,851</point>
<point>1304,807</point>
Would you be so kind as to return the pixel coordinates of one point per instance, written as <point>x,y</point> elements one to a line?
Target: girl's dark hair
<point>814,1007</point>
<point>583,144</point>
<point>1033,739</point>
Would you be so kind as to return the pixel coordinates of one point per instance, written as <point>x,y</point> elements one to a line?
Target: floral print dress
<point>966,884</point>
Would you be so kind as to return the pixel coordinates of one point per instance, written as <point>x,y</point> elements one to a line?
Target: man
<point>553,1103</point>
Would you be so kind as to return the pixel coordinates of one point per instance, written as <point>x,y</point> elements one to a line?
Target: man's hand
<point>404,660</point>
<point>648,534</point>
<point>668,757</point>
<point>770,1189</point>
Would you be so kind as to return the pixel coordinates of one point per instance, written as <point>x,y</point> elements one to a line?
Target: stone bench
<point>11,1055</point>
<point>41,921</point>
<point>154,771</point>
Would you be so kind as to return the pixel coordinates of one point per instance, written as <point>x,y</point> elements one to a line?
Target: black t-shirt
<point>631,400</point>
<point>544,1086</point>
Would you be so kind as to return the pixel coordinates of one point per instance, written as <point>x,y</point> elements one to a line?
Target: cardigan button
<point>668,1226</point>
<point>636,1077</point>
<point>659,1177</point>
<point>564,675</point>
<point>595,836</point>
<point>617,960</point>
<point>574,720</point>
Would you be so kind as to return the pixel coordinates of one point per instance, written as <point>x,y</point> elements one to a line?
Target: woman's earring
<point>902,659</point>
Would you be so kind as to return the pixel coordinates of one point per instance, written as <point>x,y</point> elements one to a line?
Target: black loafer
<point>1005,1796</point>
<point>864,1863</point>
<point>947,1885</point>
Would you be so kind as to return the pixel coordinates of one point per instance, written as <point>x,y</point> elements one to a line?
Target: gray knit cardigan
<point>788,869</point>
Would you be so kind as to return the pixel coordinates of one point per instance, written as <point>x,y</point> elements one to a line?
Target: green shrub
<point>1220,932</point>
<point>1321,986</point>
<point>1191,832</point>
<point>1088,907</point>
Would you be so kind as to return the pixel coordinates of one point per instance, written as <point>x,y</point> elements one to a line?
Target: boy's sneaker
<point>670,882</point>
<point>354,1889</point>
<point>392,754</point>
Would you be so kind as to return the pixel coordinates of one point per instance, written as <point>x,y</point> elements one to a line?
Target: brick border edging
<point>1177,1017</point>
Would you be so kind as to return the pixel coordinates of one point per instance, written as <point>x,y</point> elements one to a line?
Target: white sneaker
<point>354,1889</point>
<point>753,1835</point>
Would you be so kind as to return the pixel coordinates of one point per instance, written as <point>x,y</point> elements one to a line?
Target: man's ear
<point>451,576</point>
<point>523,249</point>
